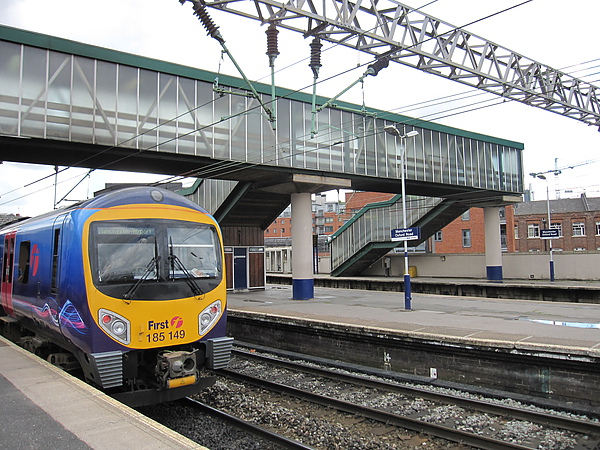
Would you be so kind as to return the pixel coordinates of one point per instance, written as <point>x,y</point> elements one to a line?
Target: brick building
<point>328,217</point>
<point>466,234</point>
<point>356,200</point>
<point>576,219</point>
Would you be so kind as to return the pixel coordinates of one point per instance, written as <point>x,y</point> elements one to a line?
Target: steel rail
<point>248,426</point>
<point>542,418</point>
<point>431,429</point>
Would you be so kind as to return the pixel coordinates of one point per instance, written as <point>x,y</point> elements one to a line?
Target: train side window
<point>24,254</point>
<point>53,285</point>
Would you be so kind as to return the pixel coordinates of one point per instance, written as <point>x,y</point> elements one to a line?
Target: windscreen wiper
<point>152,265</point>
<point>189,279</point>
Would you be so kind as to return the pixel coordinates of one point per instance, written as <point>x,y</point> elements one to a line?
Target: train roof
<point>119,197</point>
<point>137,194</point>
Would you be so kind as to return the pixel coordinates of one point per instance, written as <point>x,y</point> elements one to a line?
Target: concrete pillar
<point>493,244</point>
<point>302,252</point>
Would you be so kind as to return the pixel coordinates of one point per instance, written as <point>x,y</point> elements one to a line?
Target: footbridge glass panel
<point>62,90</point>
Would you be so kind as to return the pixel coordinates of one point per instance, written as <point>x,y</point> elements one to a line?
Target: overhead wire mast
<point>213,31</point>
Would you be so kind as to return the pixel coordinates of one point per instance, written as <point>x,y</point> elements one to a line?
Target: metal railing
<point>374,222</point>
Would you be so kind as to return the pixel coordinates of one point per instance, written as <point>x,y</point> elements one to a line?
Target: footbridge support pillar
<point>493,244</point>
<point>302,262</point>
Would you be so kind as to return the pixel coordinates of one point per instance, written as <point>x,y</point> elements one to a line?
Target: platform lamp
<point>391,129</point>
<point>543,177</point>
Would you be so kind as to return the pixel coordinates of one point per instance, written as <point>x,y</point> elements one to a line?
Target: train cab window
<point>154,259</point>
<point>196,248</point>
<point>24,254</point>
<point>125,253</point>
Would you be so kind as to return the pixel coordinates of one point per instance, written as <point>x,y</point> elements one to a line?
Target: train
<point>126,289</point>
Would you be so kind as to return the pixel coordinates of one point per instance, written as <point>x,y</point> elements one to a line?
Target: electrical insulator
<point>315,56</point>
<point>272,50</point>
<point>209,25</point>
<point>379,64</point>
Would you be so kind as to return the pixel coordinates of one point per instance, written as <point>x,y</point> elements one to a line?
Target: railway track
<point>262,402</point>
<point>584,434</point>
<point>249,427</point>
<point>576,425</point>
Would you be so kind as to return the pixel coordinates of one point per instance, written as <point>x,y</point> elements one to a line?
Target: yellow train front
<point>132,284</point>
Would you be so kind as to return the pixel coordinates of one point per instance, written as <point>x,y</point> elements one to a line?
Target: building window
<point>466,238</point>
<point>328,219</point>
<point>578,229</point>
<point>328,229</point>
<point>516,231</point>
<point>282,230</point>
<point>597,228</point>
<point>557,226</point>
<point>466,215</point>
<point>438,236</point>
<point>533,230</point>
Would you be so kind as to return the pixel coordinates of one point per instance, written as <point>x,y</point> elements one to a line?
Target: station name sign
<point>552,233</point>
<point>405,234</point>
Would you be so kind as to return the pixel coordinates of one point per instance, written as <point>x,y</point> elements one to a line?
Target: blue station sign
<point>405,234</point>
<point>552,233</point>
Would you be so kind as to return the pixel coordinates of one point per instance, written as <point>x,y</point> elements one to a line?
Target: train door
<point>240,268</point>
<point>8,258</point>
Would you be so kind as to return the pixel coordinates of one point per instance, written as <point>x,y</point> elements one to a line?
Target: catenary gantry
<point>392,30</point>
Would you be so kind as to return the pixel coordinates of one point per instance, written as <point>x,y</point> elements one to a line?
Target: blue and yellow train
<point>127,287</point>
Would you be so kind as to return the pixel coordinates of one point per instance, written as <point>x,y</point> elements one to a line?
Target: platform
<point>43,407</point>
<point>574,291</point>
<point>572,328</point>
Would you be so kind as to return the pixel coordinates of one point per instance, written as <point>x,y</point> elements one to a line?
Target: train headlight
<point>115,325</point>
<point>209,316</point>
<point>119,328</point>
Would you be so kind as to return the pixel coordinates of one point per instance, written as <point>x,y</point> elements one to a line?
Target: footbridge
<point>70,104</point>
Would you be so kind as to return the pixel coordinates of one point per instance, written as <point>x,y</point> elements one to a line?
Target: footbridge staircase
<point>365,238</point>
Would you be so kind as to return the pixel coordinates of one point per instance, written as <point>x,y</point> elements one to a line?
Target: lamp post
<point>542,177</point>
<point>391,129</point>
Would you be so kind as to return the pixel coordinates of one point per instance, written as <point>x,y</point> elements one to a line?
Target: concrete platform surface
<point>562,327</point>
<point>42,407</point>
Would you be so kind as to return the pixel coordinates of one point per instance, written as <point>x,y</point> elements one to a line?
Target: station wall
<point>530,266</point>
<point>516,266</point>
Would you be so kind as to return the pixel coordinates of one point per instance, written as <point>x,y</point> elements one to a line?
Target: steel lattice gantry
<point>386,28</point>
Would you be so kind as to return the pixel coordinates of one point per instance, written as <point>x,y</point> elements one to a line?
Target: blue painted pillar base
<point>494,273</point>
<point>303,289</point>
<point>407,293</point>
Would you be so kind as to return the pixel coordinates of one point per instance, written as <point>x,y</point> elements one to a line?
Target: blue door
<point>240,268</point>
